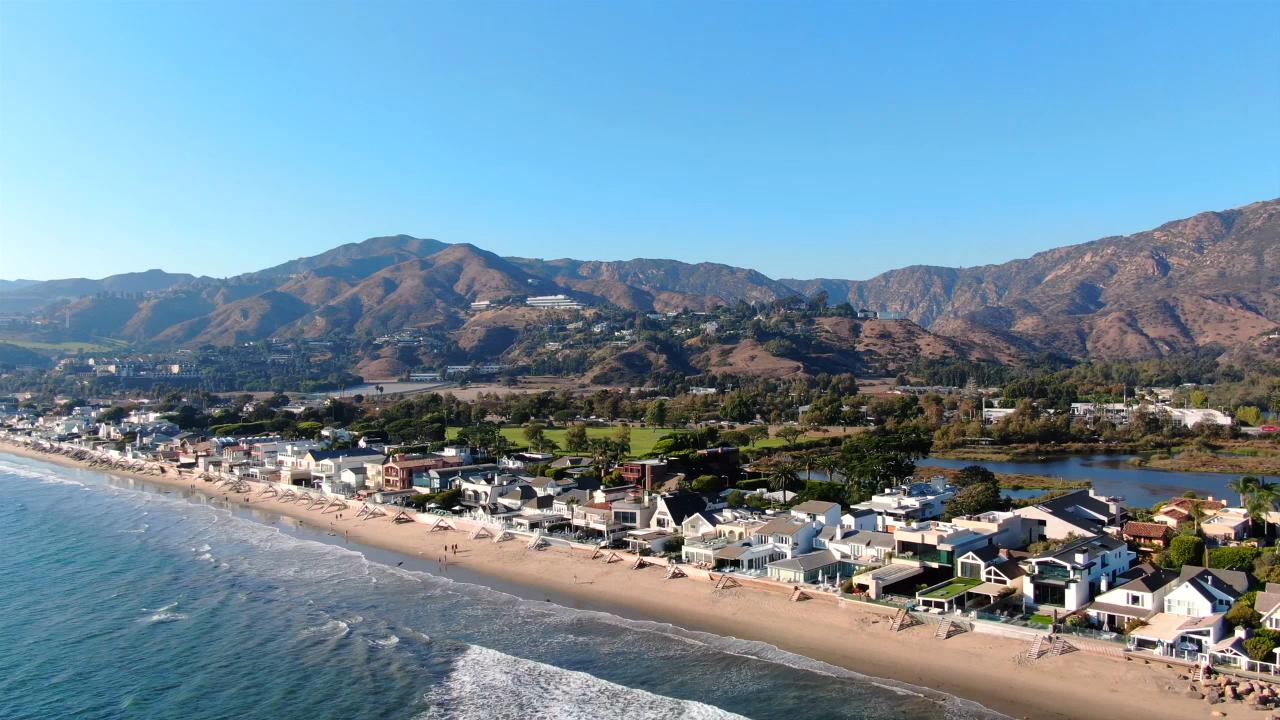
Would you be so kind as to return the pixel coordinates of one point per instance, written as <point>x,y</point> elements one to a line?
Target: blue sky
<point>801,139</point>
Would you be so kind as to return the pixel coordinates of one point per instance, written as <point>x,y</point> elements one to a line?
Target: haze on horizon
<point>827,140</point>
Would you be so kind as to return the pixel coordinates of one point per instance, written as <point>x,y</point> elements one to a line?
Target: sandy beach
<point>988,669</point>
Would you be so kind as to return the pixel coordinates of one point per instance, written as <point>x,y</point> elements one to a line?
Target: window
<point>1134,599</point>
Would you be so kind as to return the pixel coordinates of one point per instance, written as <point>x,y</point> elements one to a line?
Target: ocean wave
<point>332,630</point>
<point>386,642</point>
<point>165,614</point>
<point>521,689</point>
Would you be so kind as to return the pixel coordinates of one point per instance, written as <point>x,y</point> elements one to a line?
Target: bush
<point>1242,613</point>
<point>1234,558</point>
<point>1185,550</point>
<point>1261,645</point>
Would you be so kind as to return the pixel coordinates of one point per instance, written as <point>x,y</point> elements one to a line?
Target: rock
<point>1218,713</point>
<point>1195,695</point>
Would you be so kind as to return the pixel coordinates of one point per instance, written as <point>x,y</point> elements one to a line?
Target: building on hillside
<point>555,302</point>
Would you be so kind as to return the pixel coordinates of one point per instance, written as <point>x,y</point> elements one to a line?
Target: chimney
<point>1004,553</point>
<point>1242,632</point>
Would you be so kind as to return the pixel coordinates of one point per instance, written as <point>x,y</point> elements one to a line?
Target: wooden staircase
<point>944,630</point>
<point>1197,675</point>
<point>1060,647</point>
<point>1037,648</point>
<point>901,620</point>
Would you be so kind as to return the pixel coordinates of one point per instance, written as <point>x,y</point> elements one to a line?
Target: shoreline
<point>981,668</point>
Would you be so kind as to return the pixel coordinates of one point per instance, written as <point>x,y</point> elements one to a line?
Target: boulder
<point>1195,695</point>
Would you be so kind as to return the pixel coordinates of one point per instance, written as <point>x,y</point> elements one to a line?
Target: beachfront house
<point>1138,598</point>
<point>791,535</point>
<point>1003,529</point>
<point>907,504</point>
<point>405,472</point>
<point>327,465</point>
<point>1200,592</point>
<point>1179,636</point>
<point>857,519</point>
<point>450,475</point>
<point>1072,575</point>
<point>1075,514</point>
<point>818,511</point>
<point>935,544</point>
<point>822,566</point>
<point>1267,604</point>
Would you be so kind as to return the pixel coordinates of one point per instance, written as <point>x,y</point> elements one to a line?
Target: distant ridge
<point>1209,280</point>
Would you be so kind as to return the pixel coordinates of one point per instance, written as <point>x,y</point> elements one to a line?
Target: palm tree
<point>782,476</point>
<point>1262,501</point>
<point>830,464</point>
<point>1245,486</point>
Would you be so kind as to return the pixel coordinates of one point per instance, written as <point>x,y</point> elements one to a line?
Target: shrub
<point>1185,550</point>
<point>1234,558</point>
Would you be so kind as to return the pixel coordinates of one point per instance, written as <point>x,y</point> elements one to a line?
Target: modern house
<point>907,504</point>
<point>1075,514</point>
<point>1074,574</point>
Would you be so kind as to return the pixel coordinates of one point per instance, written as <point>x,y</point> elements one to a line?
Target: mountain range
<point>1210,280</point>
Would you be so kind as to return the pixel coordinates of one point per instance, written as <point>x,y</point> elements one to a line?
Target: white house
<point>1136,599</point>
<point>1073,575</point>
<point>824,513</point>
<point>1200,592</point>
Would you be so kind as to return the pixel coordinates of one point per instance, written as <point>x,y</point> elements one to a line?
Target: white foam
<point>332,630</point>
<point>163,615</point>
<point>386,642</point>
<point>520,689</point>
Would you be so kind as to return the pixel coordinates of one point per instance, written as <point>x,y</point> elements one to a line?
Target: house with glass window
<point>1135,599</point>
<point>1071,576</point>
<point>1204,591</point>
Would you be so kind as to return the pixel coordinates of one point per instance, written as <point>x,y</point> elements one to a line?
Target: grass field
<point>952,589</point>
<point>102,345</point>
<point>642,438</point>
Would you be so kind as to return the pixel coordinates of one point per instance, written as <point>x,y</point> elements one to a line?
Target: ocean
<point>124,599</point>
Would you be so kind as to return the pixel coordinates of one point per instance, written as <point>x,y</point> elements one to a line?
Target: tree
<point>622,440</point>
<point>1243,486</point>
<point>1262,645</point>
<point>789,433</point>
<point>1185,550</point>
<point>575,438</point>
<point>736,498</point>
<point>113,414</point>
<point>535,434</point>
<point>783,475</point>
<point>708,484</point>
<point>656,415</point>
<point>1249,415</point>
<point>974,499</point>
<point>975,475</point>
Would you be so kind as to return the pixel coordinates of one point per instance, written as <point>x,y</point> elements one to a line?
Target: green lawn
<point>101,345</point>
<point>956,587</point>
<point>642,438</point>
<point>1045,620</point>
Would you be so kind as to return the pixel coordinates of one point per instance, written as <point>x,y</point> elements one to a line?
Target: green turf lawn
<point>642,438</point>
<point>952,589</point>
